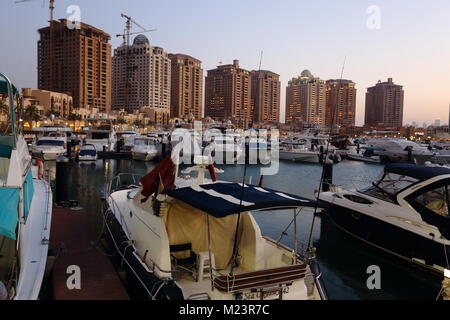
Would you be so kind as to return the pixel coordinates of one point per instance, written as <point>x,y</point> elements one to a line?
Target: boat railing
<point>153,265</point>
<point>279,277</point>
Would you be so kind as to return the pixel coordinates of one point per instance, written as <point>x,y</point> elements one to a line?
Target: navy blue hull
<point>395,240</point>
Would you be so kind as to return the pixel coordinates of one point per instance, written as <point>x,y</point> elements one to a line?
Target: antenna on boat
<point>325,155</point>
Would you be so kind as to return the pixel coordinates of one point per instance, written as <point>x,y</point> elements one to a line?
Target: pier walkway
<point>96,279</point>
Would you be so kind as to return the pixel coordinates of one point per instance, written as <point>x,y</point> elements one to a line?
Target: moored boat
<point>405,213</point>
<point>25,217</point>
<point>144,148</point>
<point>196,239</point>
<point>87,152</point>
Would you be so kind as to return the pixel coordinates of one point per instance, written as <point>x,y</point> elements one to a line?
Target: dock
<point>72,238</point>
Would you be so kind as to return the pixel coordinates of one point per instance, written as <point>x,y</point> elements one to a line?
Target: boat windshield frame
<point>389,186</point>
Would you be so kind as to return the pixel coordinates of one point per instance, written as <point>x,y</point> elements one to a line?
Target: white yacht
<point>401,150</point>
<point>297,151</point>
<point>144,148</point>
<point>366,154</point>
<point>50,146</point>
<point>441,152</point>
<point>25,217</point>
<point>405,213</point>
<point>127,137</point>
<point>87,152</point>
<point>199,241</point>
<point>101,134</point>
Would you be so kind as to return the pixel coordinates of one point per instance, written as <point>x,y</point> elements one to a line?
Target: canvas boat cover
<point>223,199</point>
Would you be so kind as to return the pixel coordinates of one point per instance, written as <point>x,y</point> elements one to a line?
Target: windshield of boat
<point>55,143</point>
<point>143,142</point>
<point>389,186</point>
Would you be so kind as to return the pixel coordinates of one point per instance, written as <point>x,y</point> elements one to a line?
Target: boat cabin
<point>424,188</point>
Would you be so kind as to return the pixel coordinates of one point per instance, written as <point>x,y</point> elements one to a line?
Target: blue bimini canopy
<point>418,172</point>
<point>8,213</point>
<point>223,199</point>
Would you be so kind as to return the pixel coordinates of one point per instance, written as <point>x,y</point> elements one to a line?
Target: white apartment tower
<point>141,76</point>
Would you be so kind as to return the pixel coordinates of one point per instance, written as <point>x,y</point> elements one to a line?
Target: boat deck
<point>72,233</point>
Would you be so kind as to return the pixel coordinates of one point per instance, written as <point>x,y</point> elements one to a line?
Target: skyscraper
<point>306,100</point>
<point>228,94</point>
<point>76,62</point>
<point>266,96</point>
<point>384,105</point>
<point>141,76</point>
<point>186,87</point>
<point>341,103</point>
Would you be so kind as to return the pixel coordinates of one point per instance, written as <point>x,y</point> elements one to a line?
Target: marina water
<point>343,259</point>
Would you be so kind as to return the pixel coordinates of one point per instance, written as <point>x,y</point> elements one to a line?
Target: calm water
<point>343,260</point>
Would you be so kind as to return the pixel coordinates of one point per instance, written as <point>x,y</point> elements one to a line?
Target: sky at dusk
<point>411,45</point>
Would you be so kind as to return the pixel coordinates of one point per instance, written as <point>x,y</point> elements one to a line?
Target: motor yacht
<point>87,152</point>
<point>101,134</point>
<point>194,238</point>
<point>405,213</point>
<point>50,146</point>
<point>401,150</point>
<point>25,217</point>
<point>144,148</point>
<point>366,154</point>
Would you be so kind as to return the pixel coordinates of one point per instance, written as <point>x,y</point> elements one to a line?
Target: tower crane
<point>51,7</point>
<point>127,42</point>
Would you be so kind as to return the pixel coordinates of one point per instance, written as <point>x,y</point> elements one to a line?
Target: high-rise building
<point>306,100</point>
<point>341,103</point>
<point>384,105</point>
<point>228,94</point>
<point>266,96</point>
<point>186,87</point>
<point>141,76</point>
<point>76,62</point>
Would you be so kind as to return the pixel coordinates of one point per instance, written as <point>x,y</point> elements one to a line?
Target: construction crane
<point>51,7</point>
<point>50,57</point>
<point>127,32</point>
<point>127,42</point>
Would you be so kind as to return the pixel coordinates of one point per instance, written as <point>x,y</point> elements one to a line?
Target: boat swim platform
<point>71,236</point>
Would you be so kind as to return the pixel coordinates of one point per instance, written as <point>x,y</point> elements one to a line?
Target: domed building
<point>147,84</point>
<point>140,40</point>
<point>306,74</point>
<point>306,100</point>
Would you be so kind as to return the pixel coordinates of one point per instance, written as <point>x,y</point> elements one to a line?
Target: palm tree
<point>4,108</point>
<point>32,114</point>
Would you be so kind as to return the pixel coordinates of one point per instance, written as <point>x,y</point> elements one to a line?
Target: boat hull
<point>390,238</point>
<point>149,285</point>
<point>357,157</point>
<point>48,155</point>
<point>87,158</point>
<point>309,157</point>
<point>144,156</point>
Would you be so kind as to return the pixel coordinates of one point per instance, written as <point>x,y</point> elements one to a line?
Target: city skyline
<point>399,49</point>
